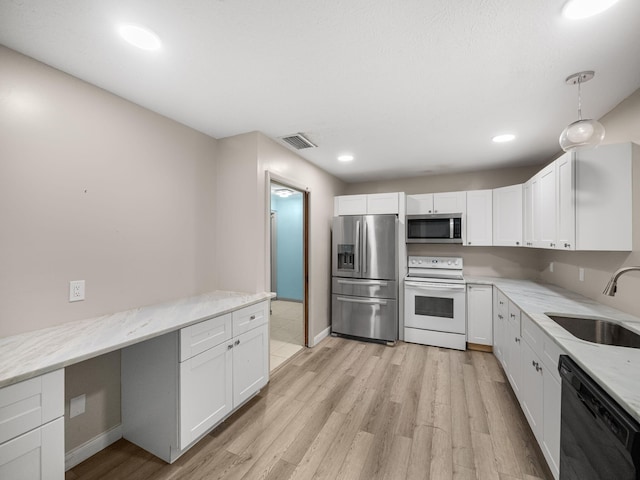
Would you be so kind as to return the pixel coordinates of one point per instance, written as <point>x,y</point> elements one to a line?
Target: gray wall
<point>94,187</point>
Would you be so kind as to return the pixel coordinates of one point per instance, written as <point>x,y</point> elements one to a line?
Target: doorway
<point>288,253</point>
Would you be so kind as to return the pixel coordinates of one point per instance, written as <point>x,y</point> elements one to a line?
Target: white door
<point>531,389</point>
<point>450,202</point>
<point>545,210</point>
<point>551,422</point>
<point>421,204</point>
<point>479,218</point>
<point>205,391</point>
<point>250,363</point>
<point>566,217</point>
<point>507,216</point>
<point>479,314</point>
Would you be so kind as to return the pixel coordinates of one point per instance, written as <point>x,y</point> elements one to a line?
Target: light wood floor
<point>352,410</point>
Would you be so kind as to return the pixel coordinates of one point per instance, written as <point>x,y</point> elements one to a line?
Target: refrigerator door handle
<point>364,247</point>
<point>357,260</point>
<point>371,301</point>
<point>382,283</point>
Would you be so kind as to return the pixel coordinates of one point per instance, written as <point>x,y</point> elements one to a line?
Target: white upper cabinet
<point>382,203</point>
<point>545,207</point>
<point>603,197</point>
<point>428,203</point>
<point>350,205</point>
<point>479,222</point>
<point>507,216</point>
<point>582,201</point>
<point>527,220</point>
<point>373,204</point>
<point>566,205</point>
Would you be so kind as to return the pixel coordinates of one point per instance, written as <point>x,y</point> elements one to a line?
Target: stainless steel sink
<point>598,330</point>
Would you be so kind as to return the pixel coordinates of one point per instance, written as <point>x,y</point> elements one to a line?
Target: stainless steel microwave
<point>436,228</point>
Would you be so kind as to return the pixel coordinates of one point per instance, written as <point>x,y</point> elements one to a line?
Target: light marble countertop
<point>615,369</point>
<point>30,354</point>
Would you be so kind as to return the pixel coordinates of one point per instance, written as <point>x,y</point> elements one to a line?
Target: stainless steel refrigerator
<point>364,287</point>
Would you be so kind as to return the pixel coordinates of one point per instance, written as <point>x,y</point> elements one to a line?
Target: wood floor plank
<point>460,423</point>
<point>356,410</point>
<point>337,452</point>
<point>420,457</point>
<point>380,451</point>
<point>477,411</point>
<point>441,447</point>
<point>501,435</point>
<point>398,459</point>
<point>356,457</point>
<point>426,403</point>
<point>315,454</point>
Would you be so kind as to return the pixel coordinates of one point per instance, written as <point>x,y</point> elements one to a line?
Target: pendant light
<point>581,133</point>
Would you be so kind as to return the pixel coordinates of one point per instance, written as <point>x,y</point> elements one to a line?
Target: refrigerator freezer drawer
<point>365,288</point>
<point>373,318</point>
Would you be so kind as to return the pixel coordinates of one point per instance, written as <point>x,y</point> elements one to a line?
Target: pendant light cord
<point>579,98</point>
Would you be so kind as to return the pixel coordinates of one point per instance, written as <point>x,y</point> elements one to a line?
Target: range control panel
<point>453,263</point>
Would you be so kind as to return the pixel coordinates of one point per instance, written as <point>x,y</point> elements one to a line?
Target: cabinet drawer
<point>250,317</point>
<point>31,403</point>
<point>199,337</point>
<point>532,334</point>
<point>36,454</point>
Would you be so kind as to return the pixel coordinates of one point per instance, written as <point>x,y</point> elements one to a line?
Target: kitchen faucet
<point>612,286</point>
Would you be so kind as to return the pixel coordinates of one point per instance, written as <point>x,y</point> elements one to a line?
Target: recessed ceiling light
<point>140,37</point>
<point>575,9</point>
<point>345,158</point>
<point>505,137</point>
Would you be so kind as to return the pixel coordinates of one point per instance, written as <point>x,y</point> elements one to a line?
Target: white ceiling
<point>408,86</point>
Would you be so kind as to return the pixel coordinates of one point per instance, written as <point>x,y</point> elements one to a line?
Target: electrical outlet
<point>77,405</point>
<point>551,267</point>
<point>581,274</point>
<point>76,290</point>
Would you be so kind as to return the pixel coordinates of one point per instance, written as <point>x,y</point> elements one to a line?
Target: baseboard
<point>93,446</point>
<point>479,347</point>
<point>322,335</point>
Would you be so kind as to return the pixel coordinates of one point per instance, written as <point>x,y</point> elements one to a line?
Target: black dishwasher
<point>598,439</point>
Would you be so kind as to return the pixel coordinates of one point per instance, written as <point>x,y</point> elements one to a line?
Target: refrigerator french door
<point>364,285</point>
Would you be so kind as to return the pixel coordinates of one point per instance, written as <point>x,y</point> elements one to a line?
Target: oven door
<point>435,306</point>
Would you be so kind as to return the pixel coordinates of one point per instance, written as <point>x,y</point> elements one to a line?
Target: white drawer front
<point>38,454</point>
<point>532,334</point>
<point>31,403</point>
<point>202,336</point>
<point>250,317</point>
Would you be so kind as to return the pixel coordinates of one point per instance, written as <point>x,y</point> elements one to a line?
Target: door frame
<point>306,193</point>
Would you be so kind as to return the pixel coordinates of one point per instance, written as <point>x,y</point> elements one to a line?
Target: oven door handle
<point>436,286</point>
<point>371,301</point>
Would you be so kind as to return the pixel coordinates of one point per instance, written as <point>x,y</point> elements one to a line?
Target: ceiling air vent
<point>298,141</point>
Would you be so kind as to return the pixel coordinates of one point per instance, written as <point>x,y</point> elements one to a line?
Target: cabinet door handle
<point>512,315</point>
<point>252,317</point>
<point>517,243</point>
<point>229,347</point>
<point>236,343</point>
<point>517,340</point>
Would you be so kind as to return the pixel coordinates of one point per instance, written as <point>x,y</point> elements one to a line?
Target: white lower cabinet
<point>206,394</point>
<point>480,314</point>
<point>500,308</point>
<point>532,370</point>
<point>531,398</point>
<point>170,400</point>
<point>250,370</point>
<point>512,364</point>
<point>32,428</point>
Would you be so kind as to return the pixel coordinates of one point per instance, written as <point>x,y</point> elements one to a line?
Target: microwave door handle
<point>357,260</point>
<point>451,227</point>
